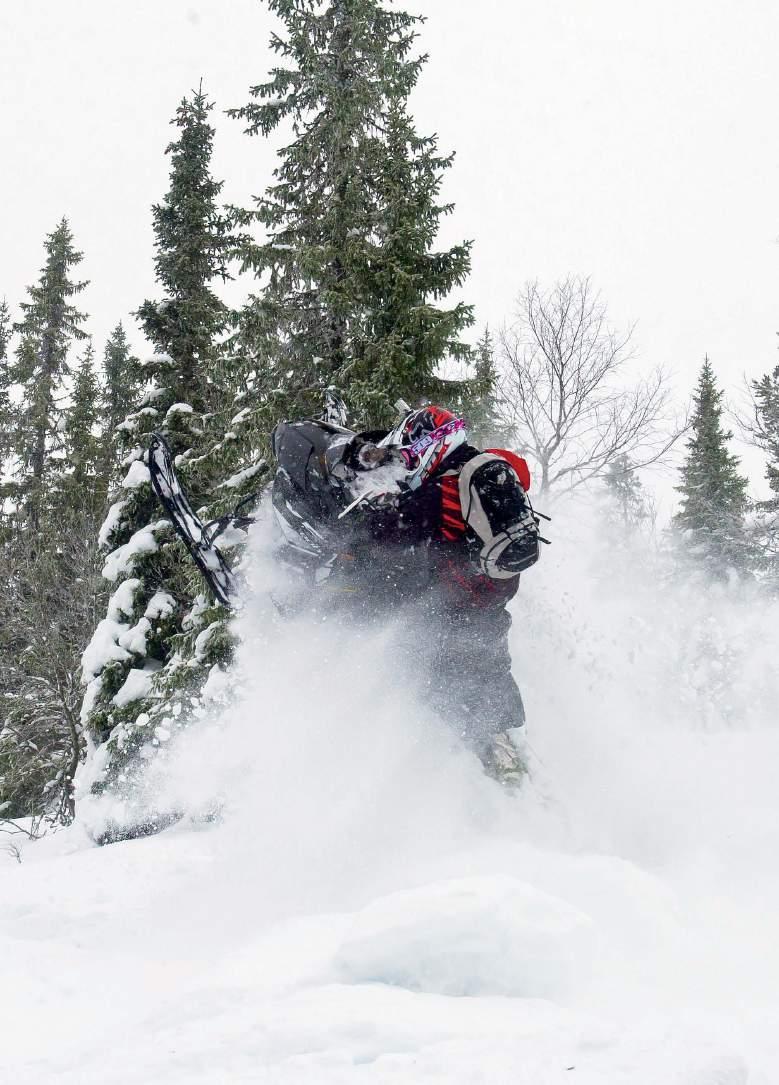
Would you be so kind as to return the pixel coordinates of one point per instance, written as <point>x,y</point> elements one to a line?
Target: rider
<point>449,529</point>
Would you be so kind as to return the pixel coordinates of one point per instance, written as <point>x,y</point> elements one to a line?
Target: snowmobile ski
<point>199,538</point>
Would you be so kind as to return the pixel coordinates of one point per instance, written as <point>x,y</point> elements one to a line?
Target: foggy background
<point>630,142</point>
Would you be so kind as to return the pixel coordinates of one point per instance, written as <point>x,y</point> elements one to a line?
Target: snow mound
<point>369,909</point>
<point>468,937</point>
<point>726,1070</point>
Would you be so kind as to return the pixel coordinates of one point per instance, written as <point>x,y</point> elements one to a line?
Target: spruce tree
<point>479,400</point>
<point>192,249</point>
<point>83,484</point>
<point>122,379</point>
<point>5,329</point>
<point>628,507</point>
<point>5,382</point>
<point>765,432</point>
<point>404,335</point>
<point>51,322</point>
<point>162,635</point>
<point>349,298</point>
<point>710,522</point>
<point>122,382</point>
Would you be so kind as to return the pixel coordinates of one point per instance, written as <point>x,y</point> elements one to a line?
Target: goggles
<point>412,452</point>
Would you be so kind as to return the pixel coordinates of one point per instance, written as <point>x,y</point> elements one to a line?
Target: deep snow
<point>372,909</point>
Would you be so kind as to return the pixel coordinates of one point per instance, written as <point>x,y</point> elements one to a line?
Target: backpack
<point>494,505</point>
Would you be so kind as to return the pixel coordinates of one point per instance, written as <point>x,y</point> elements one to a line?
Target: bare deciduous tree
<point>561,394</point>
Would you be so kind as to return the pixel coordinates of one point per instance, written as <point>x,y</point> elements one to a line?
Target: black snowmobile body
<point>313,495</point>
<point>319,497</point>
<point>308,496</point>
<point>307,493</point>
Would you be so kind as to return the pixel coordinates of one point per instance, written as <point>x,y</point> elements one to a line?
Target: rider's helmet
<point>425,438</point>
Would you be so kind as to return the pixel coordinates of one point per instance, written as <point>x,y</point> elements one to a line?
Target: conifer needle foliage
<point>352,287</point>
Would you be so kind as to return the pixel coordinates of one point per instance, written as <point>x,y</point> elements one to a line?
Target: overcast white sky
<point>633,141</point>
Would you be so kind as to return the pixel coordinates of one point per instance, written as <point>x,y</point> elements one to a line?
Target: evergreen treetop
<point>629,507</point>
<point>82,443</point>
<point>714,494</point>
<point>349,275</point>
<point>192,247</point>
<point>5,329</point>
<point>5,381</point>
<point>766,431</point>
<point>50,324</point>
<point>404,334</point>
<point>123,377</point>
<point>479,398</point>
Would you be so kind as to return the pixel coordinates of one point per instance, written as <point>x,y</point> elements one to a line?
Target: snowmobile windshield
<point>336,456</point>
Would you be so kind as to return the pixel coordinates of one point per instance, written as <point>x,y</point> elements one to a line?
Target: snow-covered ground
<point>372,909</point>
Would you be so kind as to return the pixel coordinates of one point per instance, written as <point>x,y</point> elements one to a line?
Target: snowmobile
<point>312,494</point>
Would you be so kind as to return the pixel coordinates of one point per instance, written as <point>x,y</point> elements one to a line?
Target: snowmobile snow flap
<point>196,536</point>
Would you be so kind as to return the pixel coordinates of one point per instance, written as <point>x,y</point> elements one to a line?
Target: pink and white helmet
<point>424,439</point>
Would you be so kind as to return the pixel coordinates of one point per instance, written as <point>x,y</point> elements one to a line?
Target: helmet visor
<point>414,452</point>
